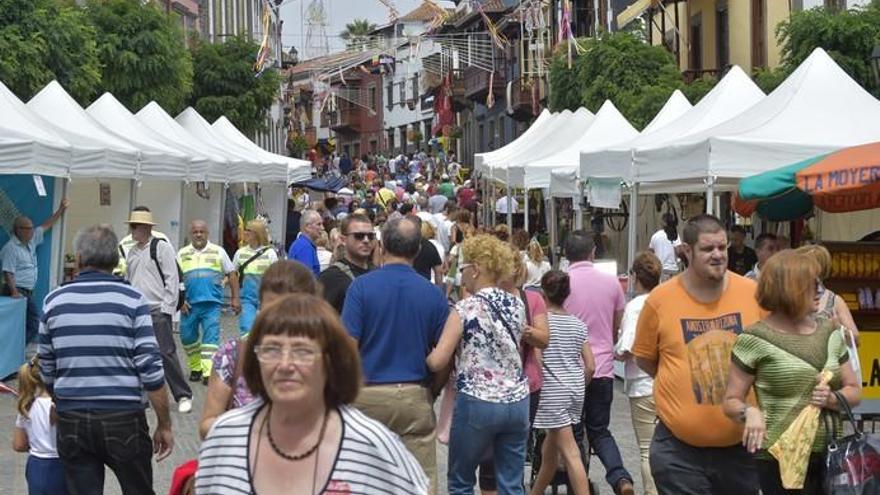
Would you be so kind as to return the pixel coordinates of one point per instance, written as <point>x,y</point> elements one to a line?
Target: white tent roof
<point>102,154</point>
<point>608,127</point>
<point>25,146</point>
<point>158,120</point>
<point>562,129</point>
<point>481,158</point>
<point>817,109</point>
<point>616,161</point>
<point>297,169</point>
<point>159,158</point>
<point>262,170</point>
<point>500,160</point>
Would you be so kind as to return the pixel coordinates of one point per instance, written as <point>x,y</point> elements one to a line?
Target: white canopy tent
<point>543,118</point>
<point>157,119</point>
<point>731,96</point>
<point>817,109</point>
<point>297,169</point>
<point>26,147</point>
<point>103,153</point>
<point>262,168</point>
<point>160,159</point>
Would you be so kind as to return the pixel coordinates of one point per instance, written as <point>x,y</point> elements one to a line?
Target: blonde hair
<point>490,254</point>
<point>520,272</point>
<point>323,240</point>
<point>536,252</point>
<point>30,386</point>
<point>788,283</point>
<point>820,254</point>
<point>258,229</point>
<point>428,231</point>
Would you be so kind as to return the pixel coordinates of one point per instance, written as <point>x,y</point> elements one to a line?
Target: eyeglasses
<point>272,354</point>
<point>360,236</point>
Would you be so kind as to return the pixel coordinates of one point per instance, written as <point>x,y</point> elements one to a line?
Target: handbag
<point>852,464</point>
<point>531,366</point>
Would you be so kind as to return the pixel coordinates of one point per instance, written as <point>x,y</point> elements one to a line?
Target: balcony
<point>476,83</point>
<point>692,75</point>
<point>459,98</point>
<point>521,98</point>
<point>345,120</point>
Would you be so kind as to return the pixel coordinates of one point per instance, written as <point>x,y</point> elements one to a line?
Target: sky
<point>339,13</point>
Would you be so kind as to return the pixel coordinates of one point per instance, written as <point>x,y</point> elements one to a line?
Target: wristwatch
<point>742,413</point>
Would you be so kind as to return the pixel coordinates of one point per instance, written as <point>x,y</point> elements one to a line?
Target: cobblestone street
<point>12,465</point>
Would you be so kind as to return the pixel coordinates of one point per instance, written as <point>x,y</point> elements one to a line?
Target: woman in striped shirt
<point>568,366</point>
<point>301,436</point>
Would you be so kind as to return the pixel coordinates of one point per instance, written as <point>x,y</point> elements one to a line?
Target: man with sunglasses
<point>359,239</point>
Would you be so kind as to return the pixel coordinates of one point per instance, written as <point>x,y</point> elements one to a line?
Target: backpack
<point>344,269</point>
<point>181,294</point>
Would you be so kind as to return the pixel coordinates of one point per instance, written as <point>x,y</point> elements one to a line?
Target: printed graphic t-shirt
<point>691,343</point>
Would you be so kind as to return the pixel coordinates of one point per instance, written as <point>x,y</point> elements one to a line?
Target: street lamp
<point>875,63</point>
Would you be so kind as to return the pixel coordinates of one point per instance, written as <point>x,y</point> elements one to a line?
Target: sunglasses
<point>360,236</point>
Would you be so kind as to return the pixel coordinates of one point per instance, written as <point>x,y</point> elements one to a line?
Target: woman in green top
<point>782,356</point>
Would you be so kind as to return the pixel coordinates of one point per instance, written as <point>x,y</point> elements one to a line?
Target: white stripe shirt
<point>371,459</point>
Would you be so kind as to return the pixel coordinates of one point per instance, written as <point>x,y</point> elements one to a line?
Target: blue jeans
<point>482,429</point>
<point>45,476</point>
<point>596,418</point>
<point>250,304</point>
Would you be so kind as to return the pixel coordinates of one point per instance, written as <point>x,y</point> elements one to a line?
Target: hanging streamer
<point>490,99</point>
<point>494,33</point>
<point>263,54</point>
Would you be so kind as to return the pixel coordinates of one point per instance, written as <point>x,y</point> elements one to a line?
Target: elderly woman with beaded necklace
<point>301,436</point>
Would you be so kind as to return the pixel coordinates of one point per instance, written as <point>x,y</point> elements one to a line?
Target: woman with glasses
<point>226,387</point>
<point>784,356</point>
<point>300,435</point>
<point>491,415</point>
<point>252,260</point>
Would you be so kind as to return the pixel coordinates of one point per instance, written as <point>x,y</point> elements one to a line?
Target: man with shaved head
<point>396,316</point>
<point>204,265</point>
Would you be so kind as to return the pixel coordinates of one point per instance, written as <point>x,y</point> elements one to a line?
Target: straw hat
<point>141,218</point>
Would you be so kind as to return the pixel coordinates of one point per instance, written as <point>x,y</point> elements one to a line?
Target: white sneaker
<point>185,405</point>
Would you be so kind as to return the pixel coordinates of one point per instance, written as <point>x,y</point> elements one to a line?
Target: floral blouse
<point>488,362</point>
<point>224,365</point>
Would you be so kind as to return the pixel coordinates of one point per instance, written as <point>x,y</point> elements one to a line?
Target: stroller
<point>533,456</point>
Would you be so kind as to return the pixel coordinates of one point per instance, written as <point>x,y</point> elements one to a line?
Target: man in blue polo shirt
<point>19,260</point>
<point>303,248</point>
<point>397,316</point>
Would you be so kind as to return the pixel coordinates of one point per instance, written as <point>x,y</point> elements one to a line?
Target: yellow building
<point>707,36</point>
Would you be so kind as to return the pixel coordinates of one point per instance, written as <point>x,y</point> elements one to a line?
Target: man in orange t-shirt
<point>684,337</point>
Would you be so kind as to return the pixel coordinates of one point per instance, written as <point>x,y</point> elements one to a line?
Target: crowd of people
<point>331,384</point>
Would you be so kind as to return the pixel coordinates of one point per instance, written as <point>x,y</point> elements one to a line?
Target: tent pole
<point>62,233</point>
<point>509,204</point>
<point>526,210</point>
<point>554,236</point>
<point>631,234</point>
<point>576,208</point>
<point>710,195</point>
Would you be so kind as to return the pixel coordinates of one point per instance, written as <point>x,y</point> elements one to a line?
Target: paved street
<point>12,465</point>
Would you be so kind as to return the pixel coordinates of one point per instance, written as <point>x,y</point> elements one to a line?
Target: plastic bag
<point>852,464</point>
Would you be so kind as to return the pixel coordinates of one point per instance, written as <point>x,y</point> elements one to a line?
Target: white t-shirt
<point>442,252</point>
<point>637,383</point>
<point>536,271</point>
<point>665,250</point>
<point>40,431</point>
<point>501,205</point>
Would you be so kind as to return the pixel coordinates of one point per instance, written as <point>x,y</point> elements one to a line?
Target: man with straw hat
<point>152,269</point>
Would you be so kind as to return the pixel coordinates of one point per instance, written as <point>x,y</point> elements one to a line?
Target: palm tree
<point>357,32</point>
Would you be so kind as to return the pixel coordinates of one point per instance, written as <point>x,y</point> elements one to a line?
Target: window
<point>502,134</point>
<point>389,95</point>
<point>402,93</point>
<point>722,41</point>
<point>415,85</point>
<point>390,143</point>
<point>695,61</point>
<point>374,146</point>
<point>490,145</point>
<point>481,138</point>
<point>372,96</point>
<point>759,34</point>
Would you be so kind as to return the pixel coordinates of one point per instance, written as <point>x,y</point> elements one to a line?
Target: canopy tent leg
<point>576,208</point>
<point>62,234</point>
<point>526,210</point>
<point>554,235</point>
<point>631,234</point>
<point>509,204</point>
<point>710,195</point>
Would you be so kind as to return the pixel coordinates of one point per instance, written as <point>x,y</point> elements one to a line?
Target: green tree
<point>143,54</point>
<point>848,36</point>
<point>42,40</point>
<point>356,32</point>
<point>225,84</point>
<point>637,77</point>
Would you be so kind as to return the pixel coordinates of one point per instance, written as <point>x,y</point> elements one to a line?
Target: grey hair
<point>19,222</point>
<point>308,216</point>
<point>402,237</point>
<point>97,247</point>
